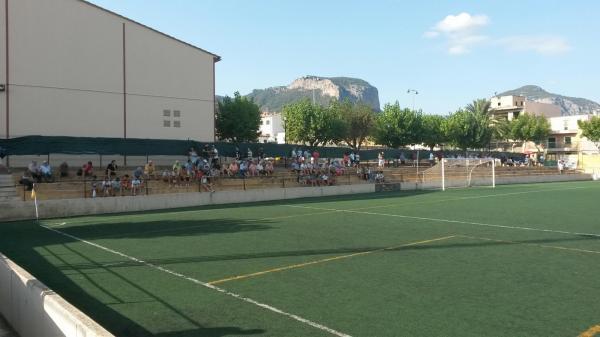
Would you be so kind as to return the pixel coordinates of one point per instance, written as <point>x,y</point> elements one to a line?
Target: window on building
<point>567,140</point>
<point>176,113</point>
<point>176,124</point>
<point>516,114</point>
<point>565,125</point>
<point>167,123</point>
<point>268,122</point>
<point>167,113</point>
<point>498,103</point>
<point>551,142</point>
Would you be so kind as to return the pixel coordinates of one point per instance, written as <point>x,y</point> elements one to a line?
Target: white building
<point>71,68</point>
<point>271,128</point>
<point>512,106</point>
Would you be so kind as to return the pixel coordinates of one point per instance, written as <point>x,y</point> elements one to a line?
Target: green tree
<point>358,120</point>
<point>395,127</point>
<point>238,119</point>
<point>312,124</point>
<point>591,128</point>
<point>528,128</point>
<point>432,132</point>
<point>469,129</point>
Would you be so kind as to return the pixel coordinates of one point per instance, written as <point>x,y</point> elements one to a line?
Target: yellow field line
<point>533,244</point>
<point>305,264</point>
<point>591,332</point>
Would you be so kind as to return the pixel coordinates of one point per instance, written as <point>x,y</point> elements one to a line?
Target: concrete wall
<point>19,210</point>
<point>67,67</point>
<point>33,310</point>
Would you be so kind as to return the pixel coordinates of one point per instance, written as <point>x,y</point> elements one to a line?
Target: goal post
<point>460,173</point>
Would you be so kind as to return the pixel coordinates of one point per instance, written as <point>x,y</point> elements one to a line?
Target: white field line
<point>449,221</point>
<point>469,197</point>
<point>204,284</point>
<point>178,229</point>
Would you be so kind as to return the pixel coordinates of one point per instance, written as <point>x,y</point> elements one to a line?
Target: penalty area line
<point>204,284</point>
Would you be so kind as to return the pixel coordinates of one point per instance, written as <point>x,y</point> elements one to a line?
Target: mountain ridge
<point>320,89</point>
<point>568,105</point>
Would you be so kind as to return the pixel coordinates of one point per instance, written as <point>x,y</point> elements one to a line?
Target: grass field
<point>515,261</point>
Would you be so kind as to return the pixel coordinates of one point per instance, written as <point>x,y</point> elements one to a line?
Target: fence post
<point>84,191</point>
<point>24,193</point>
<point>147,185</point>
<point>283,182</point>
<point>244,182</point>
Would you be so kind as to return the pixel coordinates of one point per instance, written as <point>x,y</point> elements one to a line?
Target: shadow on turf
<point>164,228</point>
<point>336,251</point>
<point>32,247</point>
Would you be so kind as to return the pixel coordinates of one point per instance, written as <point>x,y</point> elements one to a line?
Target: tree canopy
<point>432,132</point>
<point>591,128</point>
<point>395,127</point>
<point>470,128</point>
<point>528,127</point>
<point>312,124</point>
<point>238,119</point>
<point>358,120</point>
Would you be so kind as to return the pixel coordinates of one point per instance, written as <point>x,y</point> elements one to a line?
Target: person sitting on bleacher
<point>136,185</point>
<point>111,169</point>
<point>149,170</point>
<point>34,171</point>
<point>88,169</point>
<point>125,183</point>
<point>115,186</point>
<point>26,181</point>
<point>46,172</point>
<point>64,169</point>
<point>269,168</point>
<point>106,186</point>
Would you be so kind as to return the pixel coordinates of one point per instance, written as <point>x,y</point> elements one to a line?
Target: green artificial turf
<point>515,261</point>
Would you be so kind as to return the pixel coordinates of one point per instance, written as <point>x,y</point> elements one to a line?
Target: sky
<point>451,52</point>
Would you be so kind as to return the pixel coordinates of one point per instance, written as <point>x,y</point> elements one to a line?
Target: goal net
<point>460,173</point>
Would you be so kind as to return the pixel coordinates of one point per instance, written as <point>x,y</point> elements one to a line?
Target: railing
<point>84,188</point>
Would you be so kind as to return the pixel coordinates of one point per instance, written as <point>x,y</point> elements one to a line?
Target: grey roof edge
<point>216,57</point>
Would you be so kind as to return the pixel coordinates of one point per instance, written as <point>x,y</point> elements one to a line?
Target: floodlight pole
<point>415,93</point>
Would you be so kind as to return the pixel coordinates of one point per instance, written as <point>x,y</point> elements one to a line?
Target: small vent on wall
<point>167,113</point>
<point>167,123</point>
<point>176,113</point>
<point>176,124</point>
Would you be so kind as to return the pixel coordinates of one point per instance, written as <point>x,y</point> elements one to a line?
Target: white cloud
<point>545,45</point>
<point>460,32</point>
<point>461,23</point>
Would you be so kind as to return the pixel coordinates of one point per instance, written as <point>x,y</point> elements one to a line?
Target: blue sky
<point>450,51</point>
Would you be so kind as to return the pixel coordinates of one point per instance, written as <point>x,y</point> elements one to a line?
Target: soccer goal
<point>460,173</point>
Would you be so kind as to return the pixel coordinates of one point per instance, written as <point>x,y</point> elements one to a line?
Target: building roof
<point>216,57</point>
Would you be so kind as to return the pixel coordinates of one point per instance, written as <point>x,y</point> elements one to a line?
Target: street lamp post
<point>415,93</point>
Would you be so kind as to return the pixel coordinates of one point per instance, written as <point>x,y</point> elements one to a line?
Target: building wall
<point>68,71</point>
<point>566,124</point>
<point>542,109</point>
<point>273,128</point>
<point>500,102</point>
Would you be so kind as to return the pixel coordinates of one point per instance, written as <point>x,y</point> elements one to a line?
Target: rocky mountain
<point>568,105</point>
<point>321,89</point>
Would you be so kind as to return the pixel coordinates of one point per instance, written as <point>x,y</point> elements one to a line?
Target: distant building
<point>511,107</point>
<point>271,128</point>
<point>71,68</point>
